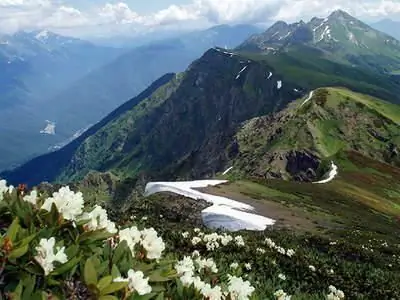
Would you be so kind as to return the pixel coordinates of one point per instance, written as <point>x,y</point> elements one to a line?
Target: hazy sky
<point>78,17</point>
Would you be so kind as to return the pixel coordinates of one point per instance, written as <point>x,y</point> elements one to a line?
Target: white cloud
<point>53,15</point>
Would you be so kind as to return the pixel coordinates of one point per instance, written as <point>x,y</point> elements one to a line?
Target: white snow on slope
<point>227,170</point>
<point>224,212</point>
<point>308,98</point>
<point>225,52</point>
<point>269,75</point>
<point>279,84</point>
<point>331,175</point>
<point>217,216</point>
<point>240,72</point>
<point>50,128</point>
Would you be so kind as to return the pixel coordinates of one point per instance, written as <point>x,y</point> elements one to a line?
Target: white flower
<point>137,282</point>
<point>281,295</point>
<point>234,265</point>
<point>239,289</point>
<point>225,239</point>
<point>4,188</point>
<point>195,253</point>
<point>98,220</point>
<point>247,266</point>
<point>210,293</point>
<point>270,243</point>
<point>196,230</point>
<point>260,250</point>
<point>46,256</point>
<point>144,218</point>
<point>312,268</point>
<point>132,236</point>
<point>185,266</point>
<point>332,243</point>
<point>335,294</point>
<point>32,197</point>
<point>281,250</point>
<point>196,240</point>
<point>68,203</point>
<point>185,234</point>
<point>207,263</point>
<point>290,252</point>
<point>282,276</point>
<point>239,240</point>
<point>153,244</point>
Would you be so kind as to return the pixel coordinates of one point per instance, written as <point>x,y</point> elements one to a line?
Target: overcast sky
<point>80,17</point>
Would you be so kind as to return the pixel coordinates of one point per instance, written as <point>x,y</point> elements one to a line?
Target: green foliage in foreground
<point>276,263</point>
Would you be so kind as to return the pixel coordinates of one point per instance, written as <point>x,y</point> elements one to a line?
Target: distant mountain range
<point>388,26</point>
<point>64,80</point>
<point>338,37</point>
<point>190,125</point>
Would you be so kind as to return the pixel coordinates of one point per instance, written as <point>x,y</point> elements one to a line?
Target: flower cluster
<point>68,203</point>
<point>189,270</point>
<point>5,189</point>
<point>334,294</point>
<point>271,244</point>
<point>281,295</point>
<point>136,282</point>
<point>46,256</point>
<point>214,240</point>
<point>98,220</point>
<point>147,238</point>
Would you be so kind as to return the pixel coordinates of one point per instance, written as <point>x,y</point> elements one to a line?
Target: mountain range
<point>72,105</point>
<point>189,127</point>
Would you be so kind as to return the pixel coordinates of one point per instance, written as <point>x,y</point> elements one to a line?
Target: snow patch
<point>225,52</point>
<point>269,75</point>
<point>224,213</point>
<point>331,175</point>
<point>308,98</point>
<point>50,128</point>
<point>227,170</point>
<point>43,35</point>
<point>279,84</point>
<point>240,72</point>
<point>220,216</point>
<point>285,36</point>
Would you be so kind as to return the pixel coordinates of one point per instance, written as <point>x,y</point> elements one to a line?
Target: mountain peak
<point>340,14</point>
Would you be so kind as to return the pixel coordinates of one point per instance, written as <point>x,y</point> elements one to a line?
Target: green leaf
<point>13,229</point>
<point>159,276</point>
<point>160,296</point>
<point>92,236</point>
<point>90,274</point>
<point>119,251</point>
<point>113,287</point>
<point>18,252</point>
<point>25,241</point>
<point>29,284</point>
<point>108,297</point>
<point>115,272</point>
<point>67,266</point>
<point>104,282</point>
<point>145,297</point>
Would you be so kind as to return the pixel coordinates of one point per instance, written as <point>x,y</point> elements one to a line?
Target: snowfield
<point>224,213</point>
<point>331,175</point>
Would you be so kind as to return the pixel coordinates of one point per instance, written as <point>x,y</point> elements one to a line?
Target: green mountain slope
<point>340,37</point>
<point>294,142</point>
<point>188,126</point>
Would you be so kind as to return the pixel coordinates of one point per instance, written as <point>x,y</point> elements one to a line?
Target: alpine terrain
<point>266,171</point>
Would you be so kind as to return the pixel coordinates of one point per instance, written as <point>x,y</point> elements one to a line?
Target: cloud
<point>55,14</point>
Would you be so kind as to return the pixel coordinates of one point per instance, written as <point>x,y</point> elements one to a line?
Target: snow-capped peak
<point>42,35</point>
